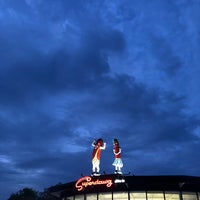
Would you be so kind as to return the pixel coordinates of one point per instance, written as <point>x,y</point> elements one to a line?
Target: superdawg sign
<point>87,181</point>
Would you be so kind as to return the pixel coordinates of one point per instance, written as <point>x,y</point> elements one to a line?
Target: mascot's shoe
<point>118,172</point>
<point>95,174</point>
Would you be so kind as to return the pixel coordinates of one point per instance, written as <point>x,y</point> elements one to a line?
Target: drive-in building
<point>128,187</point>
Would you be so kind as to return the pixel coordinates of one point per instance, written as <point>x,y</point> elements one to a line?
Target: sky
<point>75,71</point>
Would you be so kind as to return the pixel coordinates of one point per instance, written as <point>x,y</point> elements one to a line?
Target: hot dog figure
<point>118,161</point>
<point>98,146</point>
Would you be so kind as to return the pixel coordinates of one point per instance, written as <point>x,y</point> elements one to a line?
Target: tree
<point>24,194</point>
<point>46,196</point>
<point>30,194</point>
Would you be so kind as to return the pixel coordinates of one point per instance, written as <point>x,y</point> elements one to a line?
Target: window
<point>79,197</point>
<point>172,196</point>
<point>91,196</point>
<point>120,195</point>
<point>155,196</point>
<point>105,196</point>
<point>137,196</point>
<point>189,196</point>
<point>70,198</point>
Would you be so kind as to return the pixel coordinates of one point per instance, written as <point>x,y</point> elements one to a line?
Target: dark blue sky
<point>72,71</point>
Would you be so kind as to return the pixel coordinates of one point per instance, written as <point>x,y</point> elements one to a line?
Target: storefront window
<point>189,196</point>
<point>155,196</point>
<point>91,197</point>
<point>137,196</point>
<point>79,197</point>
<point>120,195</point>
<point>105,196</point>
<point>172,196</point>
<point>69,198</point>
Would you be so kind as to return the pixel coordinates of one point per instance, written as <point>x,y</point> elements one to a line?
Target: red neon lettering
<point>87,181</point>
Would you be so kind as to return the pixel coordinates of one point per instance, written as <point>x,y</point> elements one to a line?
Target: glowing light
<point>119,181</point>
<point>87,181</point>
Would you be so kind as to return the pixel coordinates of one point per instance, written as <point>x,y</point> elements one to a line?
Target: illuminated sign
<point>87,181</point>
<point>119,181</point>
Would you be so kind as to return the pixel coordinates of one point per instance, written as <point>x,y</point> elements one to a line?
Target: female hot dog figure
<point>118,161</point>
<point>98,146</point>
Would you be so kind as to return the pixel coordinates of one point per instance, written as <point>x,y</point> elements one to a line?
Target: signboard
<point>87,181</point>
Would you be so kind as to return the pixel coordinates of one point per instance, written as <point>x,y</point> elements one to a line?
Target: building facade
<point>127,187</point>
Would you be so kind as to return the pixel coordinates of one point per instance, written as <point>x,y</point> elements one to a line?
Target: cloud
<point>74,71</point>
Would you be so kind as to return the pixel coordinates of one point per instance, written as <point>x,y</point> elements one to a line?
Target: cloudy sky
<point>72,71</point>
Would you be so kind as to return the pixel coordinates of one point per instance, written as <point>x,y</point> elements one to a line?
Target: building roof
<point>114,182</point>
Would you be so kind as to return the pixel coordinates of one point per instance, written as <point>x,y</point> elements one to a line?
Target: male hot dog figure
<point>98,146</point>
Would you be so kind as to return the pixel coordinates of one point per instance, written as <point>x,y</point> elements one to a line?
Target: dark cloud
<point>28,71</point>
<point>170,63</point>
<point>74,71</point>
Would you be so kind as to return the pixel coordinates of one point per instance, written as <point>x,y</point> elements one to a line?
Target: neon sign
<point>119,181</point>
<point>87,181</point>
